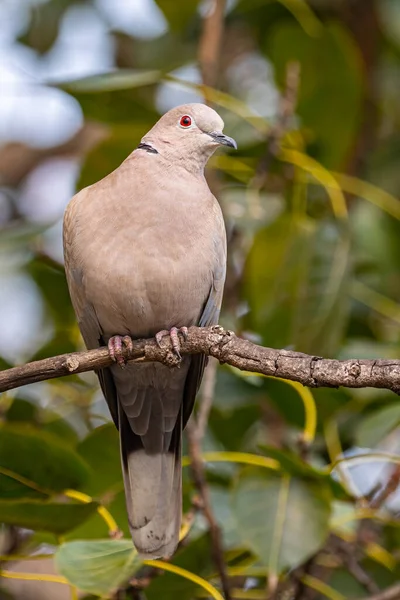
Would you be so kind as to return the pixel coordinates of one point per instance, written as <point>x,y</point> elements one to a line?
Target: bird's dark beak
<point>223,139</point>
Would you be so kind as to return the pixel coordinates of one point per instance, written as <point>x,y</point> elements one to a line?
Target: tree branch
<point>210,42</point>
<point>197,468</point>
<point>391,593</point>
<point>311,371</point>
<point>208,55</point>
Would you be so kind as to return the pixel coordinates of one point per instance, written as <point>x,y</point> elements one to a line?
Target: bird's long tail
<point>153,480</point>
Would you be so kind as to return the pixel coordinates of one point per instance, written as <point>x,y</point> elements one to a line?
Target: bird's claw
<point>115,345</point>
<point>174,337</point>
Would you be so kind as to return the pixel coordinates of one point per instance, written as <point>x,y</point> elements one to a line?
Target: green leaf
<point>233,391</point>
<point>231,429</point>
<point>44,24</point>
<point>117,80</point>
<point>95,527</point>
<point>293,465</point>
<point>178,14</point>
<point>283,520</point>
<point>100,450</point>
<point>195,557</point>
<point>50,278</point>
<point>331,76</point>
<point>222,508</point>
<point>22,410</point>
<point>343,582</point>
<point>298,302</point>
<point>60,428</point>
<point>118,98</point>
<point>111,152</point>
<point>45,516</point>
<point>26,411</point>
<point>38,457</point>
<point>377,425</point>
<point>99,567</point>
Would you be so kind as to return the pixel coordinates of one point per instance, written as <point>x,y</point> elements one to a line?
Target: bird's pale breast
<point>148,269</point>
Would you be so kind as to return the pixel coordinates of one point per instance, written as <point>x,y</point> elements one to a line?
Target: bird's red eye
<point>185,121</point>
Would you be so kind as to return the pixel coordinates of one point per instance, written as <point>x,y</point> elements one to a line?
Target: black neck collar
<point>147,148</point>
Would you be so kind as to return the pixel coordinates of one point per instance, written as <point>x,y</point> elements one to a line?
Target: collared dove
<point>145,252</point>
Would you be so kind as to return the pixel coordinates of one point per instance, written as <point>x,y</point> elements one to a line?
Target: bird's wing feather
<point>209,316</point>
<point>88,322</point>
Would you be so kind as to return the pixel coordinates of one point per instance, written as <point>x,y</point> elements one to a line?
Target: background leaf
<point>330,67</point>
<point>283,520</point>
<point>52,466</point>
<point>100,450</point>
<point>45,516</point>
<point>296,301</point>
<point>97,567</point>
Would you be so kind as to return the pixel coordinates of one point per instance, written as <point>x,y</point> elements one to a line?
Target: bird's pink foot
<point>115,345</point>
<point>173,334</point>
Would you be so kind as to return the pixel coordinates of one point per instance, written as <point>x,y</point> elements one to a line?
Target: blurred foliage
<point>314,254</point>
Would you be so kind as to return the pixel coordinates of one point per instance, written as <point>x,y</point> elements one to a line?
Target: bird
<point>145,255</point>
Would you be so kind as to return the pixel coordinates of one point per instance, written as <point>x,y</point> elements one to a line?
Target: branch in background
<point>286,110</point>
<point>385,491</point>
<point>17,160</point>
<point>366,532</point>
<point>347,554</point>
<point>200,482</point>
<point>350,555</point>
<point>391,593</point>
<point>311,371</point>
<point>210,42</point>
<point>208,55</point>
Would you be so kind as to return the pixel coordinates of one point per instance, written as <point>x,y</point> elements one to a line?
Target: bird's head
<point>193,131</point>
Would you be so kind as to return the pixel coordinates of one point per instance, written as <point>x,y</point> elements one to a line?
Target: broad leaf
<point>293,465</point>
<point>111,152</point>
<point>295,281</point>
<point>36,463</point>
<point>330,77</point>
<point>22,410</point>
<point>100,450</point>
<point>196,558</point>
<point>44,24</point>
<point>95,528</point>
<point>178,14</point>
<point>283,520</point>
<point>118,80</point>
<point>375,426</point>
<point>222,508</point>
<point>45,516</point>
<point>99,567</point>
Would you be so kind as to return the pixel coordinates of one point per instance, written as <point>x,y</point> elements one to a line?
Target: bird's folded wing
<point>209,316</point>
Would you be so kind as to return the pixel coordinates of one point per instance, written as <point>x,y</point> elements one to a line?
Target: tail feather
<point>151,404</point>
<point>153,489</point>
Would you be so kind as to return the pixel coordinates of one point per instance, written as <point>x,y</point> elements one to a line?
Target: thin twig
<point>210,42</point>
<point>349,553</point>
<point>287,107</point>
<point>391,485</point>
<point>376,501</point>
<point>286,110</point>
<point>311,371</point>
<point>209,53</point>
<point>199,479</point>
<point>366,529</point>
<point>391,593</point>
